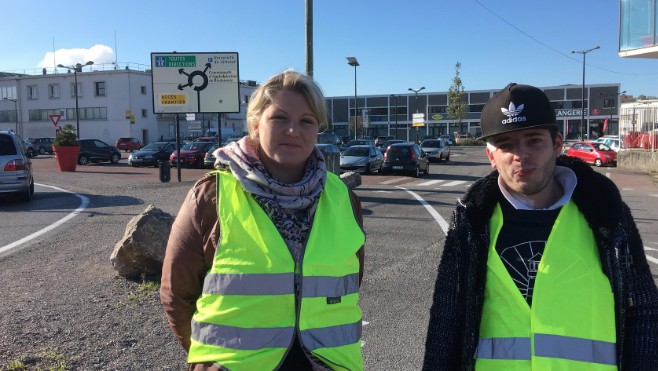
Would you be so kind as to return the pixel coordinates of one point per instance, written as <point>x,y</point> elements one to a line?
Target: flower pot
<point>67,157</point>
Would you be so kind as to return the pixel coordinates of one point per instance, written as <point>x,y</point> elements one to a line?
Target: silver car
<point>436,149</point>
<point>15,167</point>
<point>363,158</point>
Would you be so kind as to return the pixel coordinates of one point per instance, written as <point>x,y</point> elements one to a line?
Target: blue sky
<point>399,44</point>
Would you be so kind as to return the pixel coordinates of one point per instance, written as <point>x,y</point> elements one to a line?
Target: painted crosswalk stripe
<point>453,183</point>
<point>430,182</point>
<point>393,180</point>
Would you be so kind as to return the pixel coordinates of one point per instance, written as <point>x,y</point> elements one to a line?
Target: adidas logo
<point>512,113</point>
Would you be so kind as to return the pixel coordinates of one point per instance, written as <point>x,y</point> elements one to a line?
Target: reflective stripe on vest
<point>554,346</point>
<point>571,324</point>
<point>246,316</point>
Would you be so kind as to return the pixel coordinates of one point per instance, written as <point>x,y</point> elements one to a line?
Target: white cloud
<point>98,54</point>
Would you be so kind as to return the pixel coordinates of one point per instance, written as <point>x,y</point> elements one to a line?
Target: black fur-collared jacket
<point>459,292</point>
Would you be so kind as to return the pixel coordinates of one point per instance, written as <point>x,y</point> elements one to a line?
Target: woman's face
<point>287,131</point>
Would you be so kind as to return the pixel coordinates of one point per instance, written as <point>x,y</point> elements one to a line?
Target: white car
<point>436,149</point>
<point>612,142</point>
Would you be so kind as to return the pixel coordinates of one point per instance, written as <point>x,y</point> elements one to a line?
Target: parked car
<point>595,153</point>
<point>128,144</point>
<point>29,149</point>
<point>330,138</point>
<point>15,167</point>
<point>209,159</point>
<point>191,154</point>
<point>447,138</point>
<point>358,142</point>
<point>361,158</point>
<point>405,158</point>
<point>379,141</point>
<point>436,149</point>
<point>42,145</point>
<point>612,142</point>
<point>95,150</point>
<point>331,156</point>
<point>386,144</point>
<point>151,154</point>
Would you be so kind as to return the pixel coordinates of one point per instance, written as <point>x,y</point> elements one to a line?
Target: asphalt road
<point>405,222</point>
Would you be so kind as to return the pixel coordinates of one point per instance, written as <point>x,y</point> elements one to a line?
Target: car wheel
<point>427,168</point>
<point>26,196</point>
<point>367,170</point>
<point>598,162</point>
<point>83,160</point>
<point>448,157</point>
<point>42,151</point>
<point>114,159</point>
<point>31,153</point>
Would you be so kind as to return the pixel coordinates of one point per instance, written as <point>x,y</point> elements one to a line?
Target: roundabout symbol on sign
<point>190,82</point>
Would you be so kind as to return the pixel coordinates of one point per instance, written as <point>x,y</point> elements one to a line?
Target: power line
<point>556,50</point>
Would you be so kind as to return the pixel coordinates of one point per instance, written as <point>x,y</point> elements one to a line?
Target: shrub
<point>66,137</point>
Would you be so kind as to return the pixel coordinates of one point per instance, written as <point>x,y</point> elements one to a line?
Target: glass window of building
<point>99,88</point>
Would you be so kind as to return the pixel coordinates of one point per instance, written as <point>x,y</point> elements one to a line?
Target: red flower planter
<point>67,157</point>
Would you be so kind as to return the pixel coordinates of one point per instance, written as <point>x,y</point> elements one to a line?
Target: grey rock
<point>141,251</point>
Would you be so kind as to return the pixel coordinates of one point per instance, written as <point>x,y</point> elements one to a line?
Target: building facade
<point>392,115</point>
<point>113,103</point>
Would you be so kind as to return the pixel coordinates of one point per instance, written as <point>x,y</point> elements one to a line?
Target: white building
<point>113,102</point>
<point>638,122</point>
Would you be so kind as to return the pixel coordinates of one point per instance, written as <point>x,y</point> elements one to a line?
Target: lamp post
<point>15,109</point>
<point>77,68</point>
<point>416,103</point>
<point>582,96</point>
<point>354,63</point>
<point>396,114</point>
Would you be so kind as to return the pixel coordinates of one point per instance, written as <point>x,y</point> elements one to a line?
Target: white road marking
<point>395,180</point>
<point>430,182</point>
<point>83,204</point>
<point>649,257</point>
<point>607,175</point>
<point>653,195</point>
<point>453,183</point>
<point>627,189</point>
<point>380,191</point>
<point>650,248</point>
<point>439,219</point>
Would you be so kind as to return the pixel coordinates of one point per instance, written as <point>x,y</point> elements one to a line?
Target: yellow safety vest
<point>247,317</point>
<point>571,324</point>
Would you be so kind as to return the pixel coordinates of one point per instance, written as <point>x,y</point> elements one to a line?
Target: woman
<point>265,257</point>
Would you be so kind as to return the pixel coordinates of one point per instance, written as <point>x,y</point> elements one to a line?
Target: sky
<point>398,44</point>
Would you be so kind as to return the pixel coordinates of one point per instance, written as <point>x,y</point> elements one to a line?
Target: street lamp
<point>77,68</point>
<point>354,63</point>
<point>582,96</point>
<point>396,114</point>
<point>15,109</point>
<point>416,103</point>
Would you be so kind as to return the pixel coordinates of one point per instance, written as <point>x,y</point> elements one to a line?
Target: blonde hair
<point>261,99</point>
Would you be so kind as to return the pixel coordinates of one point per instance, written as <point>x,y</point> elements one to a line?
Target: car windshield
<point>357,151</point>
<point>601,147</point>
<point>197,146</point>
<point>154,147</point>
<point>399,150</point>
<point>430,143</point>
<point>356,142</point>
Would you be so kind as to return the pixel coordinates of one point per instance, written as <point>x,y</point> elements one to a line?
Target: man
<point>537,273</point>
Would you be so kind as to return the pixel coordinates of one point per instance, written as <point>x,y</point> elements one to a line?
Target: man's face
<point>525,160</point>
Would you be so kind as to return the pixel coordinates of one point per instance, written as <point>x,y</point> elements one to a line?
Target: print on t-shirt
<point>522,263</point>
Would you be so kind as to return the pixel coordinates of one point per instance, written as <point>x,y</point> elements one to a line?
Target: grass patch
<point>47,359</point>
<point>145,289</point>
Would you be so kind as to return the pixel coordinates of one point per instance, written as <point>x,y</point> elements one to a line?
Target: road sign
<point>55,119</point>
<point>418,119</point>
<point>195,82</point>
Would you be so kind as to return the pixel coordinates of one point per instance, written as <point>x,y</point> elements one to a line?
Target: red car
<point>191,154</point>
<point>128,144</point>
<point>595,153</point>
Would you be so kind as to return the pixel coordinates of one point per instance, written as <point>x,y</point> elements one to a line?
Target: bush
<point>66,137</point>
<point>471,142</point>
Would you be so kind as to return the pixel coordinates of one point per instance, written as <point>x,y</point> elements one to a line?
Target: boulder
<point>141,251</point>
<point>351,179</point>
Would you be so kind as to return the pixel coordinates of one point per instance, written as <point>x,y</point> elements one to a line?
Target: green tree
<point>457,99</point>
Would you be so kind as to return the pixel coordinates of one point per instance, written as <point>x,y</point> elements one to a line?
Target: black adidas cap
<point>516,107</point>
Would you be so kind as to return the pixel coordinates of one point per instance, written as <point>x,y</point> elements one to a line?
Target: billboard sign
<point>195,82</point>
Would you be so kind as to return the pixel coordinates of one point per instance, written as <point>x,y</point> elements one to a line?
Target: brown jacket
<point>190,252</point>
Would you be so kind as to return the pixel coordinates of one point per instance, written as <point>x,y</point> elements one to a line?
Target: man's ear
<point>557,144</point>
<point>491,158</point>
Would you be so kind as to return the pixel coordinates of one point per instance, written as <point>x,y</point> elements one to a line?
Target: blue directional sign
<point>195,82</point>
